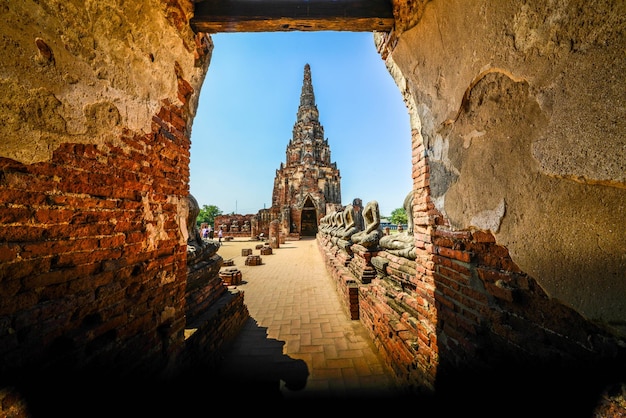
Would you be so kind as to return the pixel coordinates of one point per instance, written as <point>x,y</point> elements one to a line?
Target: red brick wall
<point>92,260</point>
<point>462,319</point>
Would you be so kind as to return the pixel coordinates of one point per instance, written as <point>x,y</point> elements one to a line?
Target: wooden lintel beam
<point>211,16</point>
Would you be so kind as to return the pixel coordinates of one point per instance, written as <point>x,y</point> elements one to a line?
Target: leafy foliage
<point>398,216</point>
<point>207,214</point>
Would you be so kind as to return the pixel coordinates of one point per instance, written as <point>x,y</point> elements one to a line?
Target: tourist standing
<point>210,232</point>
<point>219,235</point>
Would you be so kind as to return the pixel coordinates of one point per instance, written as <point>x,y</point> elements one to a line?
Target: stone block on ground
<point>253,260</point>
<point>230,276</point>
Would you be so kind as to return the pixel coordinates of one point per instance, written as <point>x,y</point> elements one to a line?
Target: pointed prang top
<point>307,98</point>
<point>307,110</point>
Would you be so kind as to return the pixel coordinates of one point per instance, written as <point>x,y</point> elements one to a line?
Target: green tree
<point>398,216</point>
<point>207,214</point>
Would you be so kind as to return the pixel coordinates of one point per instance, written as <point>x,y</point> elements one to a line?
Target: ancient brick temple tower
<point>308,183</point>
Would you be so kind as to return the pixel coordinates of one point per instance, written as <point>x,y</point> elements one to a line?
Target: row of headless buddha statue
<point>345,229</point>
<point>234,226</point>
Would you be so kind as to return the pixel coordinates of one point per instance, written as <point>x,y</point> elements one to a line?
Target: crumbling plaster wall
<point>89,69</point>
<point>88,72</point>
<point>520,107</point>
<point>97,102</point>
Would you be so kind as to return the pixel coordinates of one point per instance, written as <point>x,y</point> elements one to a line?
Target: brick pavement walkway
<point>300,342</point>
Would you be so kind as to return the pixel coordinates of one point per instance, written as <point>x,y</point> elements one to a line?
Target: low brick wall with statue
<point>451,313</point>
<point>237,226</point>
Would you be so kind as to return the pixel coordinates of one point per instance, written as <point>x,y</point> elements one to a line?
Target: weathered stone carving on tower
<point>307,184</point>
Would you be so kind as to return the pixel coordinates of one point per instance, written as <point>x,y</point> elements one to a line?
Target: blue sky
<point>248,106</point>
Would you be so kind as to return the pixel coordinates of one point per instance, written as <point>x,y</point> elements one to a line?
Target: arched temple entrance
<point>309,218</point>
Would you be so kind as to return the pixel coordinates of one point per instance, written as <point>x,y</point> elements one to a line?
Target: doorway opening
<point>248,106</point>
<point>309,219</point>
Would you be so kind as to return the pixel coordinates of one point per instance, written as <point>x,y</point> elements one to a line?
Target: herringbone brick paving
<point>300,342</point>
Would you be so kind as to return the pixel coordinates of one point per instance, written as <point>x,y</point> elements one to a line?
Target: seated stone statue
<point>350,227</point>
<point>371,234</point>
<point>193,233</point>
<point>340,224</point>
<point>324,224</point>
<point>335,223</point>
<point>402,244</point>
<point>344,239</point>
<point>196,246</point>
<point>328,222</point>
<point>357,205</point>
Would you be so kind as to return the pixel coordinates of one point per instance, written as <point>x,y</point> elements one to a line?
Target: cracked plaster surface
<point>87,83</point>
<point>520,110</point>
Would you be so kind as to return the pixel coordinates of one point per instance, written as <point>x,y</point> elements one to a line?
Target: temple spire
<point>307,98</point>
<point>307,111</point>
<point>308,181</point>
